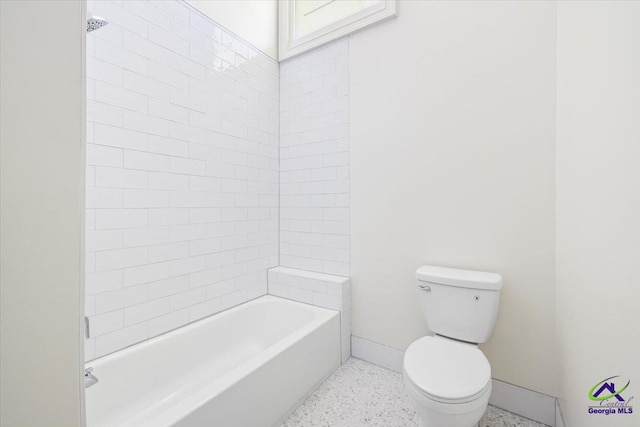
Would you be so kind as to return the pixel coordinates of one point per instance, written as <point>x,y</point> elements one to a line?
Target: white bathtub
<point>246,367</point>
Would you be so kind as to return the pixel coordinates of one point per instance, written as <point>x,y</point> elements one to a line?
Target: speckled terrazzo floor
<point>362,394</point>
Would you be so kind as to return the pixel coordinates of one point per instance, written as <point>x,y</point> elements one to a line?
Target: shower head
<point>95,23</point>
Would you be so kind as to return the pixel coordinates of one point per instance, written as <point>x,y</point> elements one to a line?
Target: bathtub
<point>249,366</point>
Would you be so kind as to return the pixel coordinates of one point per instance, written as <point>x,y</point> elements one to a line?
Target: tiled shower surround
<point>314,160</point>
<point>182,176</point>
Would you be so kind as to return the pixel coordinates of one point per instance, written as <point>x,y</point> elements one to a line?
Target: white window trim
<point>289,46</point>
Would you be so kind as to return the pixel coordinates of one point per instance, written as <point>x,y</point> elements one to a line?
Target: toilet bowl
<point>448,382</point>
<point>447,377</point>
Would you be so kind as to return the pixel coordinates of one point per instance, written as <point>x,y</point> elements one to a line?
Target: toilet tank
<point>459,304</point>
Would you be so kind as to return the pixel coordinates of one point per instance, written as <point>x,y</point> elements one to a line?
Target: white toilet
<point>448,378</point>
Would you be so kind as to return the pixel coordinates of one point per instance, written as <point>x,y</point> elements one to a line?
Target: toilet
<point>448,378</point>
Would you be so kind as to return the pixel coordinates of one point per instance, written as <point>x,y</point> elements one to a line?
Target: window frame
<point>289,46</point>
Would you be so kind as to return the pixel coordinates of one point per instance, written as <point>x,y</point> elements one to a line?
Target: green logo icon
<point>597,391</point>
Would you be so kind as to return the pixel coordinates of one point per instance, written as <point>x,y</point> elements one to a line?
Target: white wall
<point>452,121</point>
<point>41,125</point>
<point>256,21</point>
<point>182,177</point>
<point>314,160</point>
<point>598,200</point>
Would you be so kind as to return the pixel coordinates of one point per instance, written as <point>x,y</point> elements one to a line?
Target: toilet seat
<point>446,370</point>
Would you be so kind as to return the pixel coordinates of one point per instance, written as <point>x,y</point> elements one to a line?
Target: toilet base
<point>437,414</point>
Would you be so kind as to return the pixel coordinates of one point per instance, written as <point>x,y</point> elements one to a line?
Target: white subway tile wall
<point>324,290</point>
<point>182,175</point>
<point>314,160</point>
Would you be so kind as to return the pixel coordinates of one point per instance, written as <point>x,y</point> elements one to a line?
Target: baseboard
<point>378,354</point>
<point>520,401</point>
<point>559,419</point>
<point>526,403</point>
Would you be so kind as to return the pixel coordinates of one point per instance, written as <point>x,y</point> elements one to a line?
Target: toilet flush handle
<point>425,288</point>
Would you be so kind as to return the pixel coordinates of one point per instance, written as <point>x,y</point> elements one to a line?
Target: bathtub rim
<point>193,325</point>
<point>202,394</point>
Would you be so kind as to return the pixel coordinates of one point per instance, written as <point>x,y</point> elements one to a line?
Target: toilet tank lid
<point>461,278</point>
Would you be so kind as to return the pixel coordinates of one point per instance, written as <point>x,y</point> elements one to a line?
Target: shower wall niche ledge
<point>322,290</point>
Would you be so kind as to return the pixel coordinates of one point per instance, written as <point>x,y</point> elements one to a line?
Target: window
<point>306,24</point>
